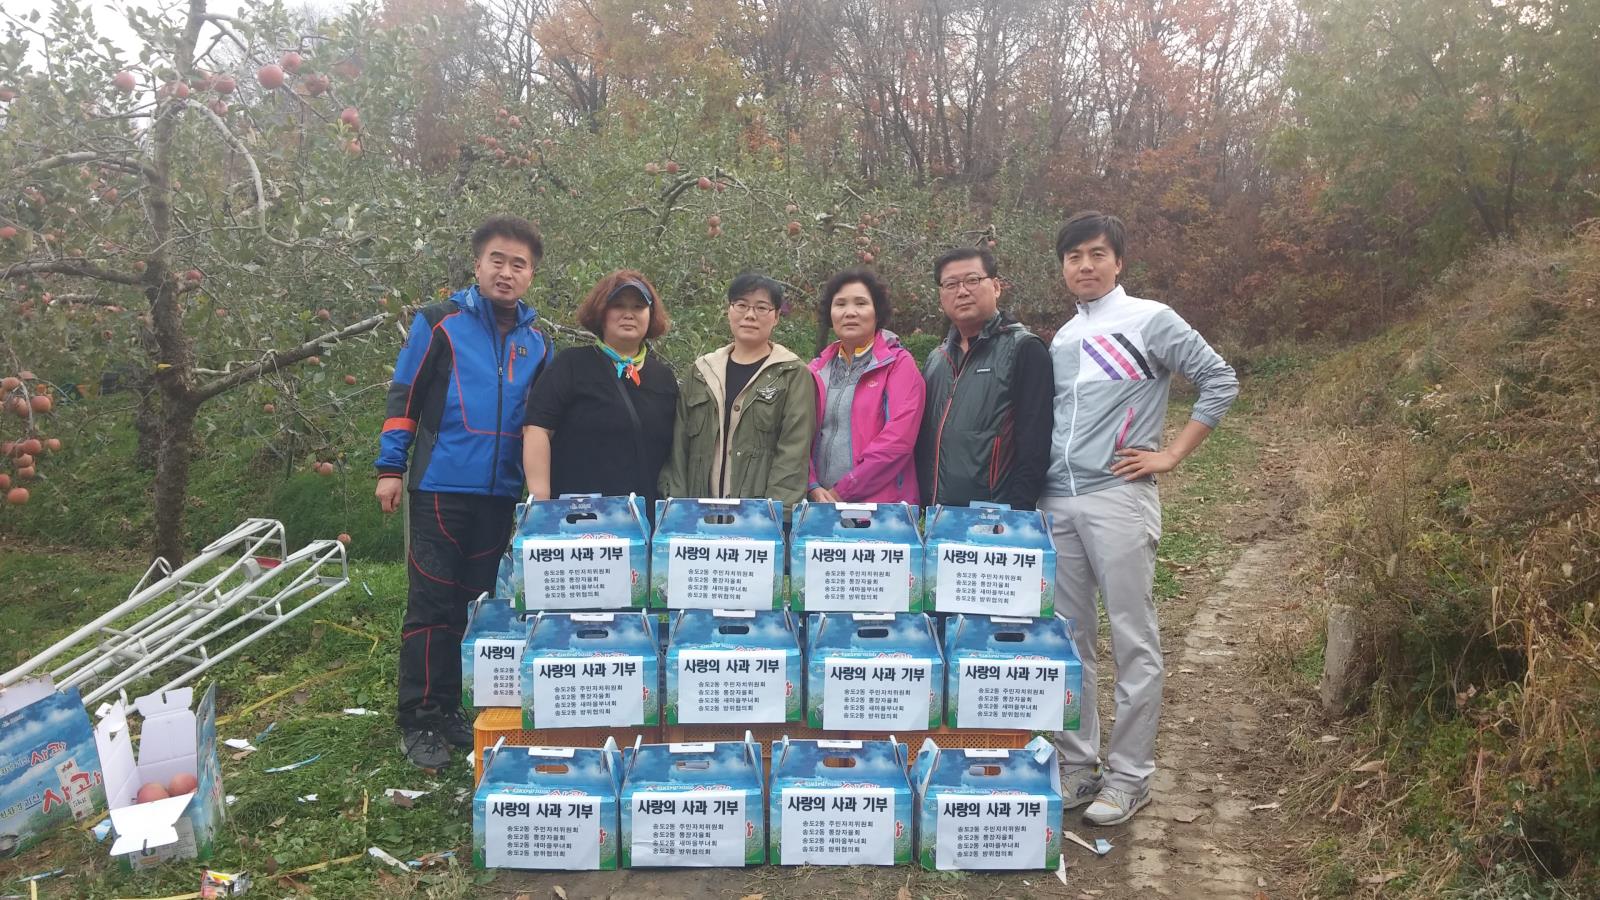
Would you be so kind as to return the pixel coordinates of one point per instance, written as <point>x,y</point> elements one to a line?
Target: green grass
<point>1211,478</point>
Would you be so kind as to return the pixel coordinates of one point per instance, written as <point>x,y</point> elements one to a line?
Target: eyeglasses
<point>742,308</point>
<point>951,285</point>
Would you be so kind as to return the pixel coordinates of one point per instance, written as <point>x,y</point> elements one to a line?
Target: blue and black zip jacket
<point>459,392</point>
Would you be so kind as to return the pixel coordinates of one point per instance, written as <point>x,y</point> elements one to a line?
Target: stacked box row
<point>850,672</point>
<point>599,553</point>
<point>847,802</point>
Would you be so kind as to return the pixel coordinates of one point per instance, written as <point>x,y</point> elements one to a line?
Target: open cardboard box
<point>173,739</point>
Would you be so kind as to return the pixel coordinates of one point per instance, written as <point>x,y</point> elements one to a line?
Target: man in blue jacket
<point>459,390</point>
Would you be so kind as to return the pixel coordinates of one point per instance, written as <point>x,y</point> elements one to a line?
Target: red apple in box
<point>182,783</point>
<point>151,792</point>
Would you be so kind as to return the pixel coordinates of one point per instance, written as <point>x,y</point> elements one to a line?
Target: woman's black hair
<point>875,288</point>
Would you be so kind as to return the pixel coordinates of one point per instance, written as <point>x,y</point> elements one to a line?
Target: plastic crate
<point>499,722</point>
<point>766,735</point>
<point>955,738</point>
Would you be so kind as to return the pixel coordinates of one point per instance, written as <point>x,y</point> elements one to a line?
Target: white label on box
<point>743,686</point>
<point>580,574</point>
<point>1011,693</point>
<point>584,691</point>
<point>846,575</point>
<point>881,694</point>
<point>720,573</point>
<point>699,828</point>
<point>837,826</point>
<point>1001,581</point>
<point>990,831</point>
<point>550,832</point>
<point>495,681</point>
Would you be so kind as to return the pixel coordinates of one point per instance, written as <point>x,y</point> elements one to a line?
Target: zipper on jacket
<point>499,395</point>
<point>1072,424</point>
<point>938,439</point>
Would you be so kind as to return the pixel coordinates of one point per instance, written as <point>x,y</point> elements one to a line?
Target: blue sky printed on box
<point>893,523</point>
<point>1031,770</point>
<point>701,629</point>
<point>838,635</point>
<point>973,636</point>
<point>976,525</point>
<point>801,764</point>
<point>686,517</point>
<point>728,765</point>
<point>490,618</point>
<point>590,772</point>
<point>627,634</point>
<point>34,741</point>
<point>596,517</point>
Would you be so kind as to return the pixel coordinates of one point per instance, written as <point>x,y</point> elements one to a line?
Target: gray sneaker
<point>1115,806</point>
<point>1079,786</point>
<point>424,748</point>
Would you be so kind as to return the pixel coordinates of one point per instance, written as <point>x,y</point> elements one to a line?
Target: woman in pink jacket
<point>869,399</point>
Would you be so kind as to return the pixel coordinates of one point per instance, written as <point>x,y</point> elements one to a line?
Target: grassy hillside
<point>1455,493</point>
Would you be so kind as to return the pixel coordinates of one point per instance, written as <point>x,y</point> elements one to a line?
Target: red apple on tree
<point>40,403</point>
<point>324,315</point>
<point>344,537</point>
<point>224,84</point>
<point>351,116</point>
<point>703,183</point>
<point>268,408</point>
<point>793,228</point>
<point>270,76</point>
<point>290,61</point>
<point>124,81</point>
<point>349,379</point>
<point>7,232</point>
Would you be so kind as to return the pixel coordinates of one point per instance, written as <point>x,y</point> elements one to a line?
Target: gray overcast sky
<point>110,16</point>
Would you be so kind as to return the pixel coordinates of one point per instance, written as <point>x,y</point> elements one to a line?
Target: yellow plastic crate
<point>499,722</point>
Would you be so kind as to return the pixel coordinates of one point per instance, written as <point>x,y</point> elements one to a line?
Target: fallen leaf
<point>1261,806</point>
<point>402,801</point>
<point>903,894</point>
<point>1381,878</point>
<point>745,897</point>
<point>270,866</point>
<point>1185,814</point>
<point>524,895</point>
<point>561,892</point>
<point>1327,739</point>
<point>279,821</point>
<point>1375,765</point>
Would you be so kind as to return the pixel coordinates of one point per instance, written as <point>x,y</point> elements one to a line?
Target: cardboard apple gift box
<point>733,666</point>
<point>49,769</point>
<point>990,559</point>
<point>491,652</point>
<point>873,672</point>
<point>591,670</point>
<point>988,809</point>
<point>581,553</point>
<point>840,803</point>
<point>547,808</point>
<point>717,554</point>
<point>1012,673</point>
<point>856,557</point>
<point>173,739</point>
<point>693,804</point>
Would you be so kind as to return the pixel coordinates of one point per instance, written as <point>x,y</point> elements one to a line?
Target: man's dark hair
<point>749,282</point>
<point>1088,225</point>
<point>875,288</point>
<point>513,228</point>
<point>957,254</point>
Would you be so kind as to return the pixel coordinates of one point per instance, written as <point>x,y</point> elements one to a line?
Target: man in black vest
<point>986,426</point>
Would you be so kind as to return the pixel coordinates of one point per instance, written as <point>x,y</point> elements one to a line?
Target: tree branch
<point>277,359</point>
<point>79,158</point>
<point>81,268</point>
<point>239,148</point>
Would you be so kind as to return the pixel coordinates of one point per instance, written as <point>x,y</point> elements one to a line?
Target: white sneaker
<point>1079,786</point>
<point>1115,806</point>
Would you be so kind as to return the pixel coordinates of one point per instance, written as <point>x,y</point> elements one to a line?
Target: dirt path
<point>1218,757</point>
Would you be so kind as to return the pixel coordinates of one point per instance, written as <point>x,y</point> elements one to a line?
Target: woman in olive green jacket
<point>747,412</point>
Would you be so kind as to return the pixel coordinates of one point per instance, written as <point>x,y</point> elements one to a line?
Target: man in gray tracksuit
<point>1113,364</point>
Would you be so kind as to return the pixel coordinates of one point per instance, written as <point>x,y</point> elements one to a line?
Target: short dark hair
<point>513,228</point>
<point>872,281</point>
<point>991,268</point>
<point>591,312</point>
<point>748,282</point>
<point>1088,225</point>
